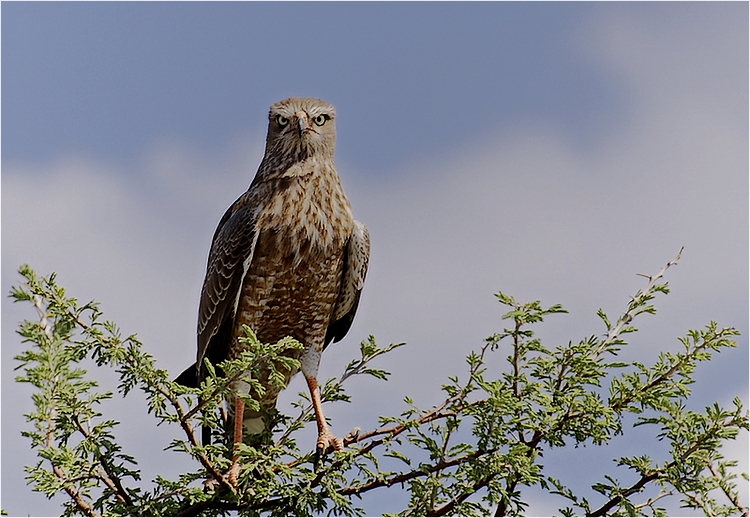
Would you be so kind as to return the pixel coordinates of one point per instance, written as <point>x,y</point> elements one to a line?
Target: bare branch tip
<point>679,255</point>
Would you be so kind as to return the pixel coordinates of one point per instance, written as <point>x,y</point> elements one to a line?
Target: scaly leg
<point>310,361</point>
<point>326,440</point>
<point>239,413</point>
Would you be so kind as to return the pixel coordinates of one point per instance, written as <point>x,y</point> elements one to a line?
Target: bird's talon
<point>234,474</point>
<point>328,443</point>
<point>210,484</point>
<point>352,436</point>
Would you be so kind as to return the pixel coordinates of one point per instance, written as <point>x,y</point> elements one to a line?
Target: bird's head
<point>300,127</point>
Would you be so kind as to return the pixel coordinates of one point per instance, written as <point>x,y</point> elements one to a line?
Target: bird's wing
<point>356,259</point>
<point>231,253</point>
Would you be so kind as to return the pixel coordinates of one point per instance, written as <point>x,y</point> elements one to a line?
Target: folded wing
<point>356,259</point>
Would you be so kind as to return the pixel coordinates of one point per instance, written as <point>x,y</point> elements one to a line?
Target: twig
<point>620,404</point>
<point>108,476</point>
<point>658,473</point>
<point>403,477</point>
<point>205,461</point>
<point>82,504</point>
<point>629,314</point>
<point>80,501</point>
<point>43,316</point>
<point>645,479</point>
<point>733,497</point>
<point>698,502</point>
<point>181,414</point>
<point>651,501</point>
<point>438,412</point>
<point>348,373</point>
<point>450,506</point>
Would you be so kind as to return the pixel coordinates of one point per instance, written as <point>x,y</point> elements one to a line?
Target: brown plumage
<point>287,259</point>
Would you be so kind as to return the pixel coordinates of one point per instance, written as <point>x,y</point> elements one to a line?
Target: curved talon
<point>352,436</point>
<point>210,484</point>
<point>234,473</point>
<point>327,442</point>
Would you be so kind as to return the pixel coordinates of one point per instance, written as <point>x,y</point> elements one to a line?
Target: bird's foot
<point>352,436</point>
<point>234,473</point>
<point>328,442</point>
<point>210,484</point>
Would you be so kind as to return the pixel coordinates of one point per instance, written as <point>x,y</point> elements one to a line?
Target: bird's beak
<point>302,124</point>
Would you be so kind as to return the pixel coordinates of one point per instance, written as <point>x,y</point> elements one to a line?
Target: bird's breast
<point>294,277</point>
<point>308,215</point>
<point>290,289</point>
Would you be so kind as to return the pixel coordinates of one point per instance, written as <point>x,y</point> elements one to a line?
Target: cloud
<point>525,211</point>
<point>131,246</point>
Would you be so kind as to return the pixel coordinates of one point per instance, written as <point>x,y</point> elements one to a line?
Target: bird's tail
<point>189,377</point>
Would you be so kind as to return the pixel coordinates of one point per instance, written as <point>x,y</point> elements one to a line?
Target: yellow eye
<point>320,120</point>
<point>281,120</point>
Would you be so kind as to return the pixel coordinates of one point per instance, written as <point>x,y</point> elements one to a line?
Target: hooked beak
<point>302,124</point>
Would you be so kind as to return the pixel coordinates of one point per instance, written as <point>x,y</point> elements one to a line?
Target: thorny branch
<point>227,498</point>
<point>83,505</point>
<point>114,483</point>
<point>450,506</point>
<point>627,317</point>
<point>660,473</point>
<point>732,496</point>
<point>107,476</point>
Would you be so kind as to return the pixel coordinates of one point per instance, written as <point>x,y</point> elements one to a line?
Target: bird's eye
<point>320,120</point>
<point>281,120</point>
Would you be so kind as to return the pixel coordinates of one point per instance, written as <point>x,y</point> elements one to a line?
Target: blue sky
<point>549,150</point>
<point>201,71</point>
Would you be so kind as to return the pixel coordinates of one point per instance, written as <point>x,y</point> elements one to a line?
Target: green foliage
<point>471,454</point>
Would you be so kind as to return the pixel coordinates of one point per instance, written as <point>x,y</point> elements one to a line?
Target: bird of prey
<point>287,259</point>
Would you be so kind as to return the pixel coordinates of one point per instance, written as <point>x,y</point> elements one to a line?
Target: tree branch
<point>733,497</point>
<point>651,501</point>
<point>658,473</point>
<point>450,506</point>
<point>108,477</point>
<point>83,505</point>
<point>613,502</point>
<point>204,460</point>
<point>183,419</point>
<point>630,313</point>
<point>403,477</point>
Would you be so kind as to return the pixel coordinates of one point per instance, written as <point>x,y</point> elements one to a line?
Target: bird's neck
<point>290,160</point>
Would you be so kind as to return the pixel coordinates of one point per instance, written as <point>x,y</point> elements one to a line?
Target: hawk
<point>287,259</point>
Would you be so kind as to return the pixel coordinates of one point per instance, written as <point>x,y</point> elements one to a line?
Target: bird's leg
<point>310,361</point>
<point>326,440</point>
<point>239,412</point>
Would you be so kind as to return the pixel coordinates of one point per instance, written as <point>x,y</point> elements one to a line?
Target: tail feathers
<point>189,377</point>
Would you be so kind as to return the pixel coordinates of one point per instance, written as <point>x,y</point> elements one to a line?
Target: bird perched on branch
<point>287,259</point>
